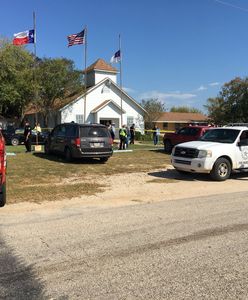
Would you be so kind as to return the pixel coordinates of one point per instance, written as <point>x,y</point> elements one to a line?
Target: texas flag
<point>25,37</point>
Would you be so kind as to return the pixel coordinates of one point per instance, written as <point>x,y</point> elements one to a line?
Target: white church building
<point>104,102</point>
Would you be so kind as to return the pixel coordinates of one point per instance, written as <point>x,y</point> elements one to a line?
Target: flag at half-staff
<point>24,37</point>
<point>76,38</point>
<point>116,57</point>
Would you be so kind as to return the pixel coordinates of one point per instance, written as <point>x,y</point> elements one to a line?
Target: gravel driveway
<point>135,188</point>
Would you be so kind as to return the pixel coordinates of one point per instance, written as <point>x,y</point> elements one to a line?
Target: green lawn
<point>36,177</point>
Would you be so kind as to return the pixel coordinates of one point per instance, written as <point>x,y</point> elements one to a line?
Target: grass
<point>36,177</point>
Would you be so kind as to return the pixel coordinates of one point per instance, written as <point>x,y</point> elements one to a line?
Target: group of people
<point>126,136</point>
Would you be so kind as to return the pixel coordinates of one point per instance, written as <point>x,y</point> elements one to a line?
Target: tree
<point>185,109</point>
<point>57,79</point>
<point>154,108</point>
<point>16,79</point>
<point>215,107</point>
<point>231,105</point>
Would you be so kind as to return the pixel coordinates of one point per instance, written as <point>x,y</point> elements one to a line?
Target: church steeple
<point>98,71</point>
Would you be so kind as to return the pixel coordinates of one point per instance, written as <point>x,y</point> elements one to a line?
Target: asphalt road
<point>181,249</point>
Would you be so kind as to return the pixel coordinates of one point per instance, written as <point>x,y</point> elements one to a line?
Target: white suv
<point>218,152</point>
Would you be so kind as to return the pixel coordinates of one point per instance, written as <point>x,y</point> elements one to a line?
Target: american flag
<point>76,39</point>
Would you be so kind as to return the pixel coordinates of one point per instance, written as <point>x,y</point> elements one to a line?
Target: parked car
<point>2,171</point>
<point>80,141</point>
<point>185,134</point>
<point>218,152</point>
<point>15,136</point>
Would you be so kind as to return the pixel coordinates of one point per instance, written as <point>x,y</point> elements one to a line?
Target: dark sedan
<point>15,137</point>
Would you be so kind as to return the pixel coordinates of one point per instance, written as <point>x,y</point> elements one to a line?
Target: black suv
<point>80,141</point>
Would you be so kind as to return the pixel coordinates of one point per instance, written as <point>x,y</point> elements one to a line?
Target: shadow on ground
<point>17,280</point>
<point>240,175</point>
<point>61,159</point>
<point>174,174</point>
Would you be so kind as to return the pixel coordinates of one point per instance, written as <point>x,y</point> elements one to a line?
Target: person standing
<point>113,128</point>
<point>127,137</point>
<point>37,130</point>
<point>123,136</point>
<point>155,135</point>
<point>111,131</point>
<point>27,136</point>
<point>132,133</point>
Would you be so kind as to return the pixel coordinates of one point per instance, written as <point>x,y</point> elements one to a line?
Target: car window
<point>62,130</point>
<point>188,131</point>
<point>94,132</point>
<point>19,131</point>
<point>71,131</point>
<point>221,135</point>
<point>244,138</point>
<point>194,131</point>
<point>55,131</point>
<point>184,131</point>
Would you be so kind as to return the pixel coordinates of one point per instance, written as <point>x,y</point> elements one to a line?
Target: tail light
<point>111,141</point>
<point>2,162</point>
<point>77,142</point>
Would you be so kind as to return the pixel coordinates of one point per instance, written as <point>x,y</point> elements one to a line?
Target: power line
<point>232,5</point>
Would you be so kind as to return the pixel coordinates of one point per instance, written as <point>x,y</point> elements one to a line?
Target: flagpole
<point>85,74</point>
<point>34,21</point>
<point>120,75</point>
<point>35,92</point>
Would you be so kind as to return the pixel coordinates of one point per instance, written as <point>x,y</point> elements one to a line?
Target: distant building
<point>105,102</point>
<point>174,120</point>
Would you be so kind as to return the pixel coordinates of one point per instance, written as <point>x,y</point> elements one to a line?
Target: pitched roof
<point>90,89</point>
<point>105,103</point>
<point>70,99</point>
<point>181,117</point>
<point>101,65</point>
<point>58,103</point>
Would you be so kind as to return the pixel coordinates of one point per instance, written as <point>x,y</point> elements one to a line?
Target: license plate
<point>96,145</point>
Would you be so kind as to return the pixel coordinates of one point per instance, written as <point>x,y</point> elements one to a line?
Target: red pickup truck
<point>2,171</point>
<point>185,134</point>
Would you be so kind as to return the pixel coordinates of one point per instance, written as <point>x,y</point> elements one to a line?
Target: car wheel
<point>3,196</point>
<point>167,146</point>
<point>103,159</point>
<point>14,142</point>
<point>68,155</point>
<point>221,169</point>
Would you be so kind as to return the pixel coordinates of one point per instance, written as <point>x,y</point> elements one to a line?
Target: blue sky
<point>179,51</point>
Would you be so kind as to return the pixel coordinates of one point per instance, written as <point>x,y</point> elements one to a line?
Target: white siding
<point>95,98</point>
<point>99,76</point>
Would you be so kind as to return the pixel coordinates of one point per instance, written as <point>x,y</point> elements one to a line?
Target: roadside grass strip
<point>37,177</point>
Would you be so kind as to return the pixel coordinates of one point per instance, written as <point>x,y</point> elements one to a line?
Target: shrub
<point>143,137</point>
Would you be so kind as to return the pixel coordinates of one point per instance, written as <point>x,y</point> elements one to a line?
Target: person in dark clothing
<point>132,132</point>
<point>111,131</point>
<point>155,135</point>
<point>27,136</point>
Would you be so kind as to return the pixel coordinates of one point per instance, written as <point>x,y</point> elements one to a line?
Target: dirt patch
<point>143,187</point>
